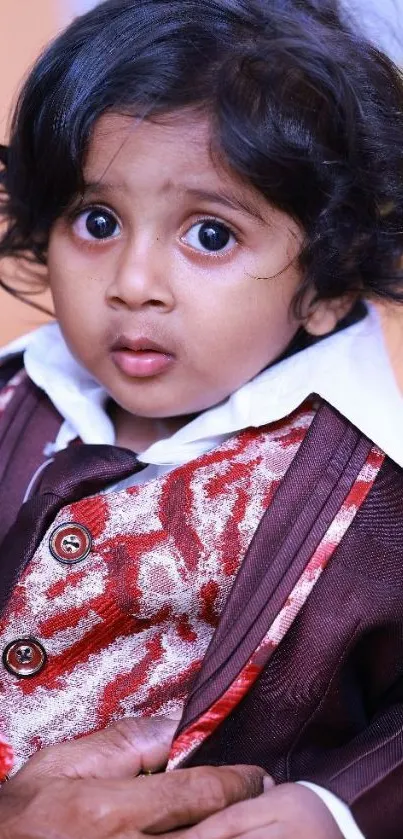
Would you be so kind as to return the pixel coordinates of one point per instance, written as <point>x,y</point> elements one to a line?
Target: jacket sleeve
<point>366,770</point>
<point>369,777</point>
<point>363,768</point>
<point>341,813</point>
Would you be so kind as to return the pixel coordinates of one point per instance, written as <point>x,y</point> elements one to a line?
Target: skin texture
<point>285,812</point>
<point>223,315</point>
<point>88,788</point>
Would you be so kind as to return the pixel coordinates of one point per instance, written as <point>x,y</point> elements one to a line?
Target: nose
<point>141,278</point>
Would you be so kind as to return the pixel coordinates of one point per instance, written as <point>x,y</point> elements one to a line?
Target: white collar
<point>350,370</point>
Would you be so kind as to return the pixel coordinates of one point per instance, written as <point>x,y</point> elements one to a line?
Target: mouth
<point>140,357</point>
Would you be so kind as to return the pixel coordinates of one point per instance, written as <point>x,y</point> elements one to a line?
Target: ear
<point>324,315</point>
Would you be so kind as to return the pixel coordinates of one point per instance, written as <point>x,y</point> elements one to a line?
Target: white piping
<point>34,478</point>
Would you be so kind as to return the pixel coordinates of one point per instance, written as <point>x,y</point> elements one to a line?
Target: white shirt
<point>350,370</point>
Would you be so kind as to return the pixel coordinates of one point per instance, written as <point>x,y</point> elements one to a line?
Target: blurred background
<point>27,25</point>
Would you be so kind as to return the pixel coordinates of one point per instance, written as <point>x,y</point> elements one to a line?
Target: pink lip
<point>140,357</point>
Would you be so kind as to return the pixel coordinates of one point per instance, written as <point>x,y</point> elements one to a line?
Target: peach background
<point>26,25</point>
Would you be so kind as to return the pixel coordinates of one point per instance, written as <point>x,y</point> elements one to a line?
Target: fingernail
<point>268,783</point>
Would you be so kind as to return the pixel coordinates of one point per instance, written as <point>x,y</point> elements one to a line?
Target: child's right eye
<point>96,223</point>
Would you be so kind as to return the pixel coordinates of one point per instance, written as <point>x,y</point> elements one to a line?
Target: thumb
<point>124,749</point>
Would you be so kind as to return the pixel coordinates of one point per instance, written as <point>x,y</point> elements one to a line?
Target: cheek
<point>74,305</point>
<point>71,288</point>
<point>62,273</point>
<point>72,308</point>
<point>252,323</point>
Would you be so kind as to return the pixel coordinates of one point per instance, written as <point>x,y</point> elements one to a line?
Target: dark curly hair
<point>302,107</point>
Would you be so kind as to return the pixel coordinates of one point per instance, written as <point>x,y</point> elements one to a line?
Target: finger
<point>238,820</point>
<point>183,833</point>
<point>188,796</point>
<point>155,804</point>
<point>123,750</point>
<point>271,831</point>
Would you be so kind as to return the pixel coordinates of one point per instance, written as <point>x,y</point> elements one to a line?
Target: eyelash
<point>214,219</point>
<point>77,213</point>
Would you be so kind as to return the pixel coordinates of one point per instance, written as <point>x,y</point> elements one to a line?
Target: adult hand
<point>127,809</point>
<point>124,749</point>
<point>86,788</point>
<point>289,811</point>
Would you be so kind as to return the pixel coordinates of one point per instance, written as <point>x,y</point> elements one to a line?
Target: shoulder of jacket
<point>9,368</point>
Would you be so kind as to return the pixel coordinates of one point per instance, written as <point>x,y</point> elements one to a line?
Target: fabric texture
<point>126,630</point>
<point>27,421</point>
<point>327,705</point>
<point>6,758</point>
<point>192,737</point>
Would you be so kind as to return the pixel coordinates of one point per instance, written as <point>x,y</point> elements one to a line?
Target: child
<point>202,502</point>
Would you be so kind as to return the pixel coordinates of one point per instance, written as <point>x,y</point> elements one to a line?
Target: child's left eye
<point>210,236</point>
<point>97,223</point>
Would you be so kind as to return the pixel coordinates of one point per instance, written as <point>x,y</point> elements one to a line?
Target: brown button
<point>70,543</point>
<point>24,658</point>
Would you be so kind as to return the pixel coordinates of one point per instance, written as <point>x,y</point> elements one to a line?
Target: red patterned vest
<point>126,628</point>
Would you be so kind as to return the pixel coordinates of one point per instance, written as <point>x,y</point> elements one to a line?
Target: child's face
<point>173,283</point>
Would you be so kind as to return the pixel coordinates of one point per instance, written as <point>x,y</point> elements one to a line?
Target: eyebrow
<point>229,200</point>
<point>226,200</point>
<point>97,187</point>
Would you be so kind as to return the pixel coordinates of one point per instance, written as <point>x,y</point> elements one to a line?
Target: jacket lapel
<point>29,422</point>
<point>319,479</point>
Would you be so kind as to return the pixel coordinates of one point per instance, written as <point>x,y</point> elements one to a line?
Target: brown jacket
<point>328,707</point>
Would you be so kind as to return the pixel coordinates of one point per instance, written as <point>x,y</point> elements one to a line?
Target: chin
<point>162,403</point>
<point>147,410</point>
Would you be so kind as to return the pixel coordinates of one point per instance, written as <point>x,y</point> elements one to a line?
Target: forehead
<point>125,144</point>
<point>164,154</point>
